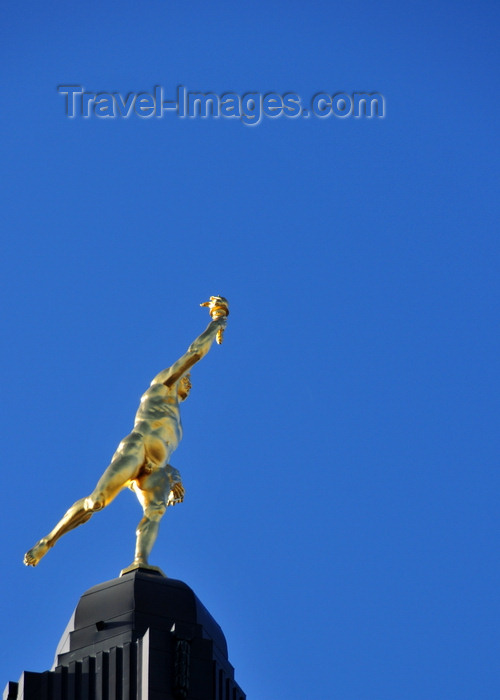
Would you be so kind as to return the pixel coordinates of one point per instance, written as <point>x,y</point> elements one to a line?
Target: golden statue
<point>141,459</point>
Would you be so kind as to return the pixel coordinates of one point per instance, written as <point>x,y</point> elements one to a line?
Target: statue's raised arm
<point>219,311</point>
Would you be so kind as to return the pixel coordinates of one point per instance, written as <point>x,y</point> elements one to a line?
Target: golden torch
<point>217,307</point>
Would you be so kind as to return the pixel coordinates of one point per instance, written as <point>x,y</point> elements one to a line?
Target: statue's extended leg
<point>76,515</point>
<point>125,464</point>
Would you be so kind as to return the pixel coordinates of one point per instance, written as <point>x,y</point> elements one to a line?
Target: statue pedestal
<point>138,637</point>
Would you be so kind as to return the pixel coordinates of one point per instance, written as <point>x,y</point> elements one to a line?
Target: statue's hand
<point>221,321</point>
<point>176,495</point>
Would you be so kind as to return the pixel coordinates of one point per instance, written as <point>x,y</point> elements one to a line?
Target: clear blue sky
<point>341,447</point>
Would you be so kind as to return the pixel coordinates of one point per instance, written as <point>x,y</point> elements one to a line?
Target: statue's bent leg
<point>147,531</point>
<point>153,490</point>
<point>125,464</point>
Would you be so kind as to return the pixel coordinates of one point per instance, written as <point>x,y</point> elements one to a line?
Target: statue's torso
<point>158,416</point>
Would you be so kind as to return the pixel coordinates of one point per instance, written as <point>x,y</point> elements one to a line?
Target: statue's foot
<point>33,556</point>
<point>141,564</point>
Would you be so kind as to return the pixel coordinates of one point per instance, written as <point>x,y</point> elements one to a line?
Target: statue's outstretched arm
<point>196,350</point>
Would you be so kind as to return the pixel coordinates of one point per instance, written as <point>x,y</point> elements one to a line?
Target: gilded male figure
<point>141,459</point>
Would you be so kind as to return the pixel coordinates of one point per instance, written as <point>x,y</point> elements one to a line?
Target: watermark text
<point>250,108</point>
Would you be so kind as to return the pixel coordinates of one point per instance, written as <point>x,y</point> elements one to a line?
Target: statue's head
<point>184,386</point>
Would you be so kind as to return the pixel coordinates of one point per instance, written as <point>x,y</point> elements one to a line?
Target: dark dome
<point>126,607</point>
